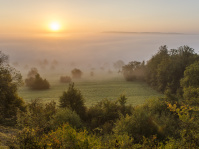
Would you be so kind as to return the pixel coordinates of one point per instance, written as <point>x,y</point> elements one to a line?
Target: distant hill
<point>121,32</point>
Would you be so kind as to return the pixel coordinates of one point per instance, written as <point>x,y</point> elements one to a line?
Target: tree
<point>190,84</point>
<point>73,100</point>
<point>40,84</point>
<point>35,82</point>
<point>65,79</point>
<point>10,80</point>
<point>133,71</point>
<point>152,65</point>
<point>191,76</point>
<point>166,68</point>
<point>76,73</point>
<point>37,116</point>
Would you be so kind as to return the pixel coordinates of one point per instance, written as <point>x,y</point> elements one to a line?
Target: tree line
<point>164,70</point>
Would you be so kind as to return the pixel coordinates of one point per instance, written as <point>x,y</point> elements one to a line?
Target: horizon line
<point>124,32</point>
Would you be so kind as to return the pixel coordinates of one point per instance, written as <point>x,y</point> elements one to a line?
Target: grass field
<point>95,90</point>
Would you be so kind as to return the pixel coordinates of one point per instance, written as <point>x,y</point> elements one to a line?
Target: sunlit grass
<point>95,90</point>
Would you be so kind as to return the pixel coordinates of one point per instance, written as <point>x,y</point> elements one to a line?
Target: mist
<point>91,52</point>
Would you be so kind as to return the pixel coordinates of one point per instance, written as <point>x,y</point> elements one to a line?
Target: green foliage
<point>170,122</point>
<point>152,118</point>
<point>117,141</point>
<point>37,115</point>
<point>191,96</point>
<point>65,115</point>
<point>10,80</point>
<point>190,84</point>
<point>63,137</point>
<point>73,100</point>
<point>189,117</point>
<point>165,69</point>
<point>104,113</point>
<point>102,116</point>
<point>67,137</point>
<point>191,76</point>
<point>29,138</point>
<point>35,82</point>
<point>152,65</point>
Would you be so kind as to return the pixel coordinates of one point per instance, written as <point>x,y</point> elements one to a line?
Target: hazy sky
<point>34,16</point>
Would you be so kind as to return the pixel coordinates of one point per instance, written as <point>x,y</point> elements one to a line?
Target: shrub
<point>28,138</point>
<point>65,79</point>
<point>35,82</point>
<point>68,137</point>
<point>73,100</point>
<point>105,113</point>
<point>37,115</point>
<point>40,84</point>
<point>65,115</point>
<point>134,71</point>
<point>152,118</point>
<point>76,73</point>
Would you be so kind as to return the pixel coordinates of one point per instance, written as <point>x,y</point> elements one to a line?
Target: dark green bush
<point>73,100</point>
<point>35,82</point>
<point>166,68</point>
<point>152,118</point>
<point>37,116</point>
<point>65,115</point>
<point>105,113</point>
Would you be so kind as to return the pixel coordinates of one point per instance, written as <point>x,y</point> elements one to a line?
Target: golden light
<point>55,26</point>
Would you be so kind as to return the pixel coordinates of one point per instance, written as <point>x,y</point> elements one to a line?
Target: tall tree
<point>10,80</point>
<point>73,99</point>
<point>165,69</point>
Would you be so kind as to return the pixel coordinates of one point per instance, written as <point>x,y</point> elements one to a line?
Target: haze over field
<point>90,50</point>
<point>90,34</point>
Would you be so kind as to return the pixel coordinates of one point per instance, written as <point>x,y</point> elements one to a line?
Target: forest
<point>171,121</point>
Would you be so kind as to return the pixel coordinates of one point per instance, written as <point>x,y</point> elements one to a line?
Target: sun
<point>55,26</point>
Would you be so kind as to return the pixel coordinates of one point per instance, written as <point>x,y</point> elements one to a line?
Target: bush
<point>152,118</point>
<point>76,73</point>
<point>65,115</point>
<point>105,113</point>
<point>68,137</point>
<point>35,82</point>
<point>65,79</point>
<point>73,100</point>
<point>37,115</point>
<point>28,138</point>
<point>134,71</point>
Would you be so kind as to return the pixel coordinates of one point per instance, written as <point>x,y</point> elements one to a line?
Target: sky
<point>34,16</point>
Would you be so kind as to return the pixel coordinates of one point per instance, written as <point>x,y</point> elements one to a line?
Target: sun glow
<point>55,26</point>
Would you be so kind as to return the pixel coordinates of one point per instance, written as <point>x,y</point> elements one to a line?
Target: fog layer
<point>87,51</point>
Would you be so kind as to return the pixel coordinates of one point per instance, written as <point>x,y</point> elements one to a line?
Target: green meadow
<point>94,91</point>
